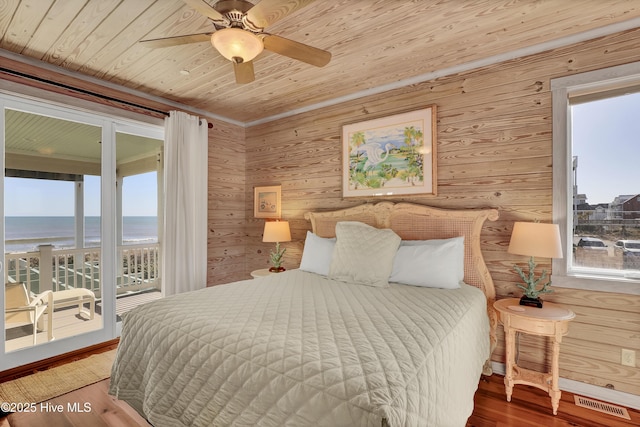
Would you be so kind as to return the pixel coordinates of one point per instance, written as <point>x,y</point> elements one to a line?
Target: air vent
<point>606,408</point>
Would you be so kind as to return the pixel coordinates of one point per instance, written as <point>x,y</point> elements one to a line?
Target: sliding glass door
<point>69,225</point>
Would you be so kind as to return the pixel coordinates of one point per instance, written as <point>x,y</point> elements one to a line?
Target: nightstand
<point>552,320</point>
<point>260,273</point>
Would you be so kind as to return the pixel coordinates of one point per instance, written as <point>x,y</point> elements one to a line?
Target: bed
<point>343,348</point>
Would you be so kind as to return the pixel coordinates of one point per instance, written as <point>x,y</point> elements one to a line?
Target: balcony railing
<point>61,269</point>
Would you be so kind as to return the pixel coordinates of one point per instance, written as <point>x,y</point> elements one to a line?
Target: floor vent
<point>607,408</point>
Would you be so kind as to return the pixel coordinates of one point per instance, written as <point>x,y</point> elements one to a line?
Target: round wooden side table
<point>552,320</point>
<point>260,273</point>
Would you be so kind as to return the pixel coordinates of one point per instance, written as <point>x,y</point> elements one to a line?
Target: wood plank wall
<point>226,218</point>
<point>494,150</point>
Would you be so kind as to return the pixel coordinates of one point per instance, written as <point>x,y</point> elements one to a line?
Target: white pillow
<point>316,256</point>
<point>437,263</point>
<point>363,254</point>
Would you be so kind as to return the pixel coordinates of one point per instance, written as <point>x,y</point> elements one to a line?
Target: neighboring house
<point>599,211</point>
<point>625,206</point>
<point>630,208</point>
<point>588,215</point>
<point>616,207</point>
<point>589,212</point>
<point>582,212</point>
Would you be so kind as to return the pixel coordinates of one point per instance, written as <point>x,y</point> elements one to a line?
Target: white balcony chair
<point>20,308</point>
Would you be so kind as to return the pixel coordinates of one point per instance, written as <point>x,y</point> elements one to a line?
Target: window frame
<point>613,80</point>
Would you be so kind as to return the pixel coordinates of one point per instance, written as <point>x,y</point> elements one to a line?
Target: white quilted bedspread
<point>298,349</point>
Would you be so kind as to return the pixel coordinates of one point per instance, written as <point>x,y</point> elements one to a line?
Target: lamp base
<point>276,269</point>
<point>531,302</point>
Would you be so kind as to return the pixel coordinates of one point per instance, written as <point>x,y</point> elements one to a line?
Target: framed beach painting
<point>390,156</point>
<point>266,202</point>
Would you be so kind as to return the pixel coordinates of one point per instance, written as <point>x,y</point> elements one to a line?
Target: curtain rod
<point>83,91</point>
<point>86,92</point>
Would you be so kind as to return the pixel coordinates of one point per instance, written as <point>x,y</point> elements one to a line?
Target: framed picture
<point>266,202</point>
<point>390,156</point>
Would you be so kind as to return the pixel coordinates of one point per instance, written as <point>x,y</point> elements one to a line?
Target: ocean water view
<point>24,234</point>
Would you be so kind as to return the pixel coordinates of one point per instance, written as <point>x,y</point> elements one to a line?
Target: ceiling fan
<point>239,33</point>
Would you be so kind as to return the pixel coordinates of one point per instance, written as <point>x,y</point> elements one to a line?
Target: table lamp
<point>534,239</point>
<point>276,231</point>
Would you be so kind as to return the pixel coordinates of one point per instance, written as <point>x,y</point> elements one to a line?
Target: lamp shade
<point>536,239</point>
<point>235,43</point>
<point>276,231</point>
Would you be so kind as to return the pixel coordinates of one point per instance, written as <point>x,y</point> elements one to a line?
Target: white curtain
<point>184,245</point>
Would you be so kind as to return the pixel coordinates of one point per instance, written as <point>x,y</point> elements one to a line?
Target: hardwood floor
<point>529,407</point>
<point>102,411</point>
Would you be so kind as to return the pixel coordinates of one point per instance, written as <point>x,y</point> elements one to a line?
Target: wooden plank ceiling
<point>373,43</point>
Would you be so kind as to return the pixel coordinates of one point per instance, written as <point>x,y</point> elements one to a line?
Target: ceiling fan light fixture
<point>233,43</point>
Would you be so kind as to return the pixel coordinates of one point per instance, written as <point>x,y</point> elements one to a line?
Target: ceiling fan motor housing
<point>235,11</point>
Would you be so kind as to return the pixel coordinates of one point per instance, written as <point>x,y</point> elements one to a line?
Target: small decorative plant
<point>276,259</point>
<point>531,290</point>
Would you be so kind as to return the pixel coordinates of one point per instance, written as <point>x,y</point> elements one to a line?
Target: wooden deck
<point>128,302</point>
<point>68,323</point>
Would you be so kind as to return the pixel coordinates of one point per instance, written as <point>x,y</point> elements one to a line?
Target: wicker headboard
<point>420,222</point>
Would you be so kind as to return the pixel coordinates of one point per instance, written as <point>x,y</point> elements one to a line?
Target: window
<point>596,179</point>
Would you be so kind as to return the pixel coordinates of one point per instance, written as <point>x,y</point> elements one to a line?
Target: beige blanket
<point>297,349</point>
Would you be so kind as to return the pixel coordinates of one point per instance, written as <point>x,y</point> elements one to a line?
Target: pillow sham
<point>317,253</point>
<point>363,254</point>
<point>437,263</point>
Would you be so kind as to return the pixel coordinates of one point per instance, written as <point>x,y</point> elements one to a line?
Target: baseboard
<point>588,390</point>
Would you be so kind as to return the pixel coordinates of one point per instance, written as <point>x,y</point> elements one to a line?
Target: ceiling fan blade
<point>295,50</point>
<point>177,40</point>
<point>268,12</point>
<point>244,72</point>
<point>205,9</point>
